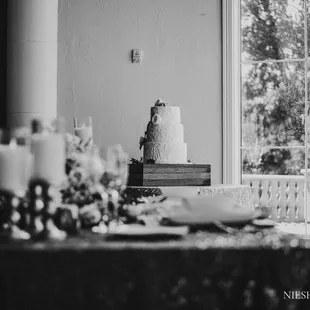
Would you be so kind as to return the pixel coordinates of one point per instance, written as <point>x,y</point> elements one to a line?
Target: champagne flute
<point>115,179</point>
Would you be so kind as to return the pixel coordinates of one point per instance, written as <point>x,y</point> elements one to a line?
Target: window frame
<point>231,83</point>
<point>231,90</point>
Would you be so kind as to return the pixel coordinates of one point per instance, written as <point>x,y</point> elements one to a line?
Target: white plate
<point>194,221</point>
<point>137,230</point>
<point>264,223</point>
<point>204,210</point>
<point>297,229</point>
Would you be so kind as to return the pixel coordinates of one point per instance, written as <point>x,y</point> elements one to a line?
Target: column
<point>31,61</point>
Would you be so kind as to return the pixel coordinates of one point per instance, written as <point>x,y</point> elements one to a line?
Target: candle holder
<point>83,128</point>
<point>43,205</point>
<point>12,214</point>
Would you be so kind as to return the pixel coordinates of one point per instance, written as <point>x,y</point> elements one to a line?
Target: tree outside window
<point>274,73</point>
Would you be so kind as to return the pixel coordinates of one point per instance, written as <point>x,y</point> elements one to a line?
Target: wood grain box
<point>169,175</point>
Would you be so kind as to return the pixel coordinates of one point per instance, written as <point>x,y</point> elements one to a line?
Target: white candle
<point>85,133</point>
<point>14,167</point>
<point>49,158</point>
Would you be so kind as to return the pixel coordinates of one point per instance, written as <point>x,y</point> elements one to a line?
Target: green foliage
<point>273,93</point>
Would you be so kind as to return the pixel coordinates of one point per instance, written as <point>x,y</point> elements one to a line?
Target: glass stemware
<point>83,128</point>
<point>115,180</point>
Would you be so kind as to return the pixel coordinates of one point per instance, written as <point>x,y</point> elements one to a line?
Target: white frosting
<point>169,114</point>
<point>166,153</point>
<point>165,133</point>
<point>165,136</point>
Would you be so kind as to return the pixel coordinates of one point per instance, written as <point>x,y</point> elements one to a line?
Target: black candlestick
<point>11,214</point>
<point>43,205</point>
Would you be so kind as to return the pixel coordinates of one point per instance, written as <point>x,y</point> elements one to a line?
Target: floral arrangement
<point>136,161</point>
<point>92,181</point>
<point>89,197</point>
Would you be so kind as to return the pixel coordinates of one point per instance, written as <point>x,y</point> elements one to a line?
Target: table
<point>204,270</point>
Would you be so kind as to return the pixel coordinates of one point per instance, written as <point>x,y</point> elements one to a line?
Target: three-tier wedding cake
<point>164,138</point>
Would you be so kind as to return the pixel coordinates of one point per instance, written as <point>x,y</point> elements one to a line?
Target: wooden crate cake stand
<point>169,175</point>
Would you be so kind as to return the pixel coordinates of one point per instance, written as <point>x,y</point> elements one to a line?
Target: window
<point>274,70</point>
<point>265,80</point>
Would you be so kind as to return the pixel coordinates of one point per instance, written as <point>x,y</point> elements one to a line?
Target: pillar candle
<point>49,157</point>
<point>14,167</point>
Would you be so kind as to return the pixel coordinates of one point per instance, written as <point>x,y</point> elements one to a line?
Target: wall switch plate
<point>137,56</point>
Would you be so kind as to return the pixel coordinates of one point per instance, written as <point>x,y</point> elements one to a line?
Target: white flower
<point>156,119</point>
<point>95,167</point>
<point>78,175</point>
<point>76,140</point>
<point>68,137</point>
<point>81,158</point>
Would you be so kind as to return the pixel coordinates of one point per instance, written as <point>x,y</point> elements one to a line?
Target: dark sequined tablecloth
<point>204,270</point>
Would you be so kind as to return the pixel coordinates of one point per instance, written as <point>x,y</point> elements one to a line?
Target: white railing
<point>283,194</point>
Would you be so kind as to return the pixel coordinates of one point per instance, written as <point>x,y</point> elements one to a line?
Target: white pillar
<point>32,60</point>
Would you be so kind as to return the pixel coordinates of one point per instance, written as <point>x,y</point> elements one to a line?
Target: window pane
<point>272,29</point>
<point>273,104</point>
<point>273,161</point>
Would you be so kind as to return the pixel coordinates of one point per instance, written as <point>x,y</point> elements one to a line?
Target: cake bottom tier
<point>172,153</point>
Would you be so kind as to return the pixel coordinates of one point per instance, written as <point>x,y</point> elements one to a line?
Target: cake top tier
<point>165,113</point>
<point>161,103</point>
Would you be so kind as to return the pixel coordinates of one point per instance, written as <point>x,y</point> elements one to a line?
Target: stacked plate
<point>184,208</point>
<point>188,208</point>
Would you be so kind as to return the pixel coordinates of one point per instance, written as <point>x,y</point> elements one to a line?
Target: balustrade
<point>283,194</point>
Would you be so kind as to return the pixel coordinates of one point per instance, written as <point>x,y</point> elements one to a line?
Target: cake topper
<point>161,103</point>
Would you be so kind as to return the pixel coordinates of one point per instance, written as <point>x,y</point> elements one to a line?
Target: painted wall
<point>181,40</point>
